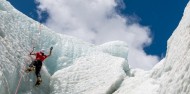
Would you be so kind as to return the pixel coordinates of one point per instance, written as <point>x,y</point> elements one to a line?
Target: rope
<point>18,84</point>
<point>5,81</point>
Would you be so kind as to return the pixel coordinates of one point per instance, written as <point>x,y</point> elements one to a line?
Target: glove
<point>51,48</point>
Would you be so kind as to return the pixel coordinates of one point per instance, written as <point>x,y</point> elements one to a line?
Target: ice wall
<point>169,76</point>
<point>141,82</point>
<point>14,45</point>
<point>115,48</point>
<point>175,73</point>
<point>97,73</point>
<point>100,70</point>
<point>18,34</point>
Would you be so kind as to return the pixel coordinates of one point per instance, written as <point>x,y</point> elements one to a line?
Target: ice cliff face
<point>172,74</point>
<point>78,67</point>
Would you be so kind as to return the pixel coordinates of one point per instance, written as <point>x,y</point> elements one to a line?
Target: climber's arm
<point>50,51</point>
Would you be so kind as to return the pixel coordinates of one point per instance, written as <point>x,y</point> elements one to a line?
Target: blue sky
<point>161,16</point>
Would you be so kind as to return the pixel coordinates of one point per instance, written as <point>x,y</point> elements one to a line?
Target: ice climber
<point>37,64</point>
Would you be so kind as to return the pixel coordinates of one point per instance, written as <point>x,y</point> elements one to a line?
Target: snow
<point>115,48</point>
<point>139,86</point>
<point>141,82</point>
<point>97,73</point>
<point>174,75</point>
<point>78,67</point>
<point>91,73</point>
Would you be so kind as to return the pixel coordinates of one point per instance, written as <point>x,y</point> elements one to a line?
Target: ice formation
<point>171,75</point>
<point>97,73</point>
<point>78,67</point>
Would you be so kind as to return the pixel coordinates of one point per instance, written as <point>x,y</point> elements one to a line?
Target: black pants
<point>38,65</point>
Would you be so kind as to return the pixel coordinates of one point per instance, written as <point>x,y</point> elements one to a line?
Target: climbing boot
<point>38,82</point>
<point>30,69</point>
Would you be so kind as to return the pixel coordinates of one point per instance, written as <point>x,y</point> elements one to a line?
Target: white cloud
<point>97,21</point>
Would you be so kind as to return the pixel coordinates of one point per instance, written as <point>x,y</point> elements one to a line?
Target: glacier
<point>171,75</point>
<point>78,67</point>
